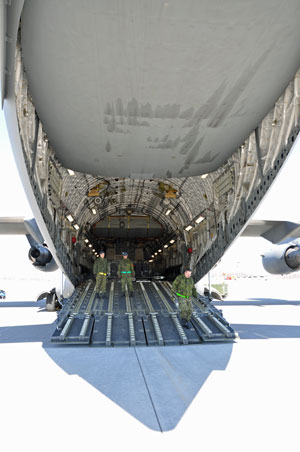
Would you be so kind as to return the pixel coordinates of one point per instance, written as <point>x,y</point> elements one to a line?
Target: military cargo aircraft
<point>151,127</point>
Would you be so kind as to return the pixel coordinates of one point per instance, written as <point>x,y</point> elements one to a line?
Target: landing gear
<point>52,303</point>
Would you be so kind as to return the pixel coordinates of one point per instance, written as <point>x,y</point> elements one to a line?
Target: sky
<point>281,203</point>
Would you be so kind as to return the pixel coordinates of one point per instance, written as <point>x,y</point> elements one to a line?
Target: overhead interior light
<point>94,211</point>
<point>76,226</point>
<point>70,218</point>
<point>86,240</point>
<point>204,176</point>
<point>199,219</point>
<point>155,254</point>
<point>93,250</point>
<point>90,246</point>
<point>166,246</point>
<point>159,251</point>
<point>168,211</point>
<point>172,241</point>
<point>189,227</point>
<point>151,260</point>
<point>152,255</point>
<point>71,172</point>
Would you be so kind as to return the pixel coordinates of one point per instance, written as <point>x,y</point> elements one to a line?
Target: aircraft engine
<point>42,258</point>
<point>283,259</point>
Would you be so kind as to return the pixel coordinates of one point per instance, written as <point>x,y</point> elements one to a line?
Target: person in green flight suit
<point>100,270</point>
<point>184,289</point>
<point>126,272</point>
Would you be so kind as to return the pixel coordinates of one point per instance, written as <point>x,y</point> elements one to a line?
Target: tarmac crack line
<point>148,390</point>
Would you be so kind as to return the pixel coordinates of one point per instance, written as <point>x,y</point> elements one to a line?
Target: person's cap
<point>187,269</point>
<point>124,253</point>
<point>101,252</point>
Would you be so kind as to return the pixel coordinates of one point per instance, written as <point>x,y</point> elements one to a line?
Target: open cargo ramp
<point>147,317</point>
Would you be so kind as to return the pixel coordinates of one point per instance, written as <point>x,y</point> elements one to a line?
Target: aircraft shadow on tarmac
<point>255,331</point>
<point>155,385</point>
<point>19,304</point>
<point>258,302</point>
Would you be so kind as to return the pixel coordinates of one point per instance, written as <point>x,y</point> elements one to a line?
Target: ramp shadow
<point>155,385</point>
<point>19,304</point>
<point>255,331</point>
<point>258,302</point>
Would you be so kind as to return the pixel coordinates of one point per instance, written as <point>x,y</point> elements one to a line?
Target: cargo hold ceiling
<point>172,203</point>
<point>172,96</point>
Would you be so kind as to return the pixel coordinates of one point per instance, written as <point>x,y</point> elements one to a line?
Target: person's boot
<point>187,325</point>
<point>183,322</point>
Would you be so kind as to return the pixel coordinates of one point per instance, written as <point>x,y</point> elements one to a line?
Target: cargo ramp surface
<point>148,316</point>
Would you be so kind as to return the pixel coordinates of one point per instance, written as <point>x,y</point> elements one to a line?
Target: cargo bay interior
<point>145,218</point>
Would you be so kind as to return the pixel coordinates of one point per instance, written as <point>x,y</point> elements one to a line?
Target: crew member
<point>100,270</point>
<point>184,289</point>
<point>126,272</point>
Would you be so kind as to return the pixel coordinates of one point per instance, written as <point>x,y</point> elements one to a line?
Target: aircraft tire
<point>216,295</point>
<point>51,302</point>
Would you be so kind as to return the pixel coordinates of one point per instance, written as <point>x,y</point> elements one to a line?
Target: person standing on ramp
<point>126,272</point>
<point>100,270</point>
<point>184,289</point>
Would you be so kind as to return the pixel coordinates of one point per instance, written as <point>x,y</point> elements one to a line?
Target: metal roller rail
<point>156,301</point>
<point>69,322</point>
<point>110,315</point>
<point>138,303</point>
<point>111,297</point>
<point>130,317</point>
<point>207,331</point>
<point>108,330</point>
<point>173,315</point>
<point>220,325</point>
<point>153,314</point>
<point>163,298</point>
<point>87,315</point>
<point>127,299</point>
<point>147,299</point>
<point>81,299</point>
<point>68,307</point>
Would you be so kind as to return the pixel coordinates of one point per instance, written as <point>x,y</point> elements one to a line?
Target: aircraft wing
<point>272,230</point>
<point>20,226</point>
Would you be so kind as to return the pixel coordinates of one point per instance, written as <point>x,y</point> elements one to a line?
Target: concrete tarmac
<point>236,396</point>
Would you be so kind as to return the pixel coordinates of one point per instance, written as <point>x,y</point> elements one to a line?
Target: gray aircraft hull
<point>176,113</point>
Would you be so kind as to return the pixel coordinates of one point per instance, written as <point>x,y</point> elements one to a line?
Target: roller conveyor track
<point>149,316</point>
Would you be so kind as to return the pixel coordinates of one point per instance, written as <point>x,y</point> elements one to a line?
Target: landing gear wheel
<point>51,302</point>
<point>215,295</point>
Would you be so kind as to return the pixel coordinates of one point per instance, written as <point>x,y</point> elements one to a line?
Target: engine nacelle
<point>42,258</point>
<point>283,259</point>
